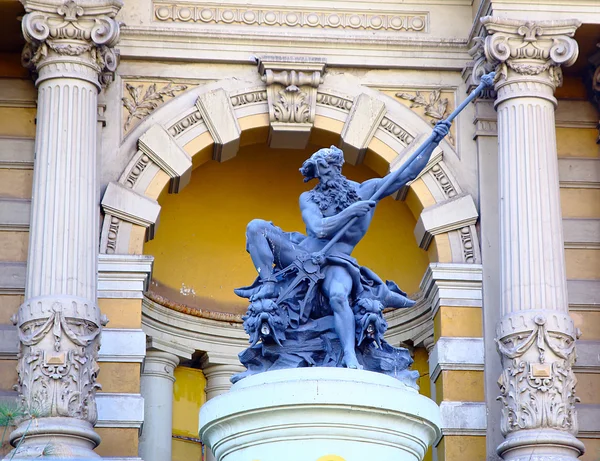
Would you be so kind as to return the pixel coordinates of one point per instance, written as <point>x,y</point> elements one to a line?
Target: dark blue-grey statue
<point>312,304</point>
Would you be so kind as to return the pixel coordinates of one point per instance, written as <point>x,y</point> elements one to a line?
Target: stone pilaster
<point>535,336</point>
<point>69,49</point>
<point>157,389</point>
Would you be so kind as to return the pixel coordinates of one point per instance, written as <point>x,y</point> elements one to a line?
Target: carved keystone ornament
<point>292,84</point>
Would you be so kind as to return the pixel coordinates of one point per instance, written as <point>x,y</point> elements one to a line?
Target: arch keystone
<point>292,84</point>
<point>218,115</point>
<point>162,148</point>
<point>360,127</point>
<point>447,216</point>
<point>129,206</point>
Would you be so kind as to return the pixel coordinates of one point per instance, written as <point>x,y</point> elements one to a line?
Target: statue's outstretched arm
<point>411,171</point>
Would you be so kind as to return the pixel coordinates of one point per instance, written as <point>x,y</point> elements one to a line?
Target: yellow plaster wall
<point>462,448</point>
<point>117,442</point>
<point>8,374</point>
<point>458,322</point>
<point>588,322</point>
<point>188,397</point>
<point>199,248</point>
<point>13,245</point>
<point>119,377</point>
<point>460,386</point>
<point>10,305</point>
<point>421,364</point>
<point>577,142</point>
<point>122,313</point>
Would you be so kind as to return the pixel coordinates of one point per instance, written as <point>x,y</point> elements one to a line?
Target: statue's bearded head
<point>333,191</point>
<point>325,165</point>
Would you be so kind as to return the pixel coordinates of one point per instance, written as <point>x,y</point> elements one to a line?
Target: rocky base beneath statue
<point>307,414</point>
<point>315,344</point>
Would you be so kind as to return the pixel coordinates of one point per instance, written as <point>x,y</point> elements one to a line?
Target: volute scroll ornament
<point>75,33</point>
<point>530,49</point>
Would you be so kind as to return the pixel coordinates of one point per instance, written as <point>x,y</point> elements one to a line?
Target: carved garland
<point>537,385</point>
<point>57,369</point>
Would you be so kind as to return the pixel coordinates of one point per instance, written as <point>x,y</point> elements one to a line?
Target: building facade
<point>115,328</point>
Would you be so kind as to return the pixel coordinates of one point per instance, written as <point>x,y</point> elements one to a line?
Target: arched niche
<point>179,138</point>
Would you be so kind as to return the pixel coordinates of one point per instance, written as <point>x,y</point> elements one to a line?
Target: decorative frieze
<point>292,84</point>
<point>185,123</point>
<point>253,97</point>
<point>397,131</point>
<point>211,13</point>
<point>143,99</point>
<point>331,100</point>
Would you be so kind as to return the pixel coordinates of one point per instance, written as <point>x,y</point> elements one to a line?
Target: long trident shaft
<point>486,81</point>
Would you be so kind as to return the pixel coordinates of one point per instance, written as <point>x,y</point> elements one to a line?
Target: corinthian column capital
<point>71,39</point>
<point>530,51</point>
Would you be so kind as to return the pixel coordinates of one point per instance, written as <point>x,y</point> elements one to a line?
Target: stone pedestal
<point>307,414</point>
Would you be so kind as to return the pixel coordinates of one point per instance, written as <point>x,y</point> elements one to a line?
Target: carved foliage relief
<point>432,105</point>
<point>59,343</point>
<point>140,99</point>
<point>537,386</point>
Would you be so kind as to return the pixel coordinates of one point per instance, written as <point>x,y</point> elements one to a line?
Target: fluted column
<point>535,336</point>
<point>68,50</point>
<point>218,373</point>
<point>157,389</point>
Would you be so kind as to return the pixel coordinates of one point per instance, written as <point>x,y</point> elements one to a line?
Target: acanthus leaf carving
<point>435,107</point>
<point>291,89</point>
<point>537,385</point>
<point>524,48</point>
<point>59,343</point>
<point>70,30</point>
<point>140,106</point>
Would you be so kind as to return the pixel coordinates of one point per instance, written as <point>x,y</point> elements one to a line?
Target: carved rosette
<point>292,97</point>
<point>75,39</point>
<point>537,386</point>
<point>527,56</point>
<point>59,343</point>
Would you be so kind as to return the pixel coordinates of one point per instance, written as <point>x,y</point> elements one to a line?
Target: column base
<point>55,437</point>
<point>311,414</point>
<point>540,445</point>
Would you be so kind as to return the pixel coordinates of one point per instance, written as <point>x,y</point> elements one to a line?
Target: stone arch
<point>212,121</point>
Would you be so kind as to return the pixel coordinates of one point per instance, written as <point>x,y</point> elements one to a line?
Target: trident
<point>308,267</point>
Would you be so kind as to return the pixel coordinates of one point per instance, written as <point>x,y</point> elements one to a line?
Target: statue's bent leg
<point>337,286</point>
<point>267,245</point>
